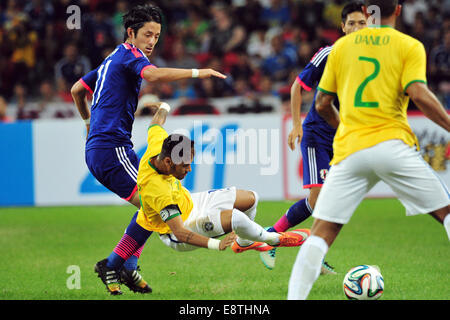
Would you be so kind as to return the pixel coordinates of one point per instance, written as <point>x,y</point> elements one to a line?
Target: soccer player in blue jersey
<point>315,134</point>
<point>115,86</point>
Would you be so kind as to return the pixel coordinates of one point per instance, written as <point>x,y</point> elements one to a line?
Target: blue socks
<point>296,214</point>
<point>129,248</point>
<point>299,212</point>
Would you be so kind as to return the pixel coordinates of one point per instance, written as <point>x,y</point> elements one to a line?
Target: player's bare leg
<point>313,195</point>
<point>328,231</point>
<point>135,200</point>
<point>245,200</point>
<point>443,216</point>
<point>225,219</point>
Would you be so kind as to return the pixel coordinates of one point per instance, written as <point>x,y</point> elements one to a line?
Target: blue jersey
<point>115,85</point>
<point>309,78</point>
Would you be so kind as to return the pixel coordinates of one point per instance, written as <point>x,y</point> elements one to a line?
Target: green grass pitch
<point>38,245</point>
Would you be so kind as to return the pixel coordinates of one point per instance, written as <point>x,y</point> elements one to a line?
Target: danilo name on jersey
<point>372,40</point>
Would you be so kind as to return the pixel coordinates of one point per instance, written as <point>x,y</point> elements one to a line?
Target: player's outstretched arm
<point>78,92</point>
<point>184,235</point>
<point>160,116</point>
<point>326,109</point>
<point>174,74</point>
<point>295,136</point>
<point>429,104</point>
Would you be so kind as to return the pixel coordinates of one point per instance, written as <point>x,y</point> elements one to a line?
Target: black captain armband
<point>170,212</point>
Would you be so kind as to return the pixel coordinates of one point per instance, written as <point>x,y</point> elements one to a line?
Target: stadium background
<point>261,46</point>
<point>48,223</point>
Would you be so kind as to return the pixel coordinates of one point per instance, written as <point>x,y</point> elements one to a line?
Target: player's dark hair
<point>139,15</point>
<point>387,7</point>
<point>178,148</point>
<point>355,6</point>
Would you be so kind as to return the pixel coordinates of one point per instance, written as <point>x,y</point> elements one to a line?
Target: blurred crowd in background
<point>261,45</point>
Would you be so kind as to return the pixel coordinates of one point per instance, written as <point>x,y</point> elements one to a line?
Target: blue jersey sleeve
<point>310,77</point>
<point>89,79</point>
<point>136,62</point>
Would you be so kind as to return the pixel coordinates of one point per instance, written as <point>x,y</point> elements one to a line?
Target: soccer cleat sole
<point>268,258</point>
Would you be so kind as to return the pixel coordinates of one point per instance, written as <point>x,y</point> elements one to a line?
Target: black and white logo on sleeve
<point>169,212</point>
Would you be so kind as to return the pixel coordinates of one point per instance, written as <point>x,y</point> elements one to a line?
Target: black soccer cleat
<point>109,277</point>
<point>134,281</point>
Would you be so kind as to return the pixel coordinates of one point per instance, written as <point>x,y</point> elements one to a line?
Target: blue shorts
<point>115,168</point>
<point>316,163</point>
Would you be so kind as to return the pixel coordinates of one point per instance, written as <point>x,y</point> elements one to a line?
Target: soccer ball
<point>363,282</point>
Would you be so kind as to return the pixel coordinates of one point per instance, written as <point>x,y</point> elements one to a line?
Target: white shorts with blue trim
<point>400,166</point>
<point>205,216</point>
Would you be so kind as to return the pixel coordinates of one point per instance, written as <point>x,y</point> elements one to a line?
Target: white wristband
<point>165,106</point>
<point>87,121</point>
<point>213,244</point>
<point>195,73</point>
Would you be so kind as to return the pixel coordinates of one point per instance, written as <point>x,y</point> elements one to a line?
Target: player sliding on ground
<point>186,221</point>
<point>315,134</point>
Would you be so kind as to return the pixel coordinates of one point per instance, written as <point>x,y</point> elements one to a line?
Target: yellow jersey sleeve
<point>328,83</point>
<point>155,138</point>
<point>415,66</point>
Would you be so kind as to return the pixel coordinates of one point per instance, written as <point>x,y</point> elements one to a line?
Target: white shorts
<point>400,166</point>
<point>205,216</point>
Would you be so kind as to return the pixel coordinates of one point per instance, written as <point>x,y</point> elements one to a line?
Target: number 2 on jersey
<point>359,93</point>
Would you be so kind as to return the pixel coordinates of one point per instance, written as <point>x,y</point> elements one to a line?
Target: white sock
<point>306,268</point>
<point>249,231</point>
<point>447,225</point>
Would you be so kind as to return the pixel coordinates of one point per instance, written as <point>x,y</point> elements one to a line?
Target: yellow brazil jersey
<point>370,70</point>
<point>157,191</point>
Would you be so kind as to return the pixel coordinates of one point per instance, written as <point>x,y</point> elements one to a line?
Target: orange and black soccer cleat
<point>294,238</point>
<point>258,246</point>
